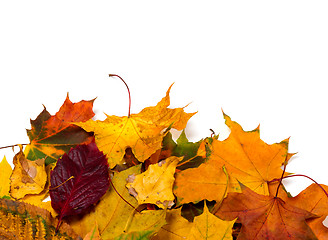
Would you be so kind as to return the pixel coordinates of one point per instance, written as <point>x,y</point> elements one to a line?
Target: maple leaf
<point>52,136</point>
<point>177,227</point>
<point>314,200</point>
<point>265,217</point>
<point>207,226</point>
<point>20,221</point>
<point>5,172</point>
<point>155,184</point>
<point>208,181</point>
<point>28,177</point>
<point>141,132</point>
<point>248,159</point>
<point>79,180</point>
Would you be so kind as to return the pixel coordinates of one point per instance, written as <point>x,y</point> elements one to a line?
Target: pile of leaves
<point>127,178</point>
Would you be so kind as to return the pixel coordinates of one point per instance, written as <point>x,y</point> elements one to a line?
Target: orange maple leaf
<point>314,200</point>
<point>265,217</point>
<point>52,136</point>
<point>248,159</point>
<point>142,132</point>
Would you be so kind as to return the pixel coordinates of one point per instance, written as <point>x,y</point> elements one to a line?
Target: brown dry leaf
<point>28,177</point>
<point>142,132</point>
<point>155,184</point>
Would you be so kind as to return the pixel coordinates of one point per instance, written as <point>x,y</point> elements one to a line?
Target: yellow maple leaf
<point>142,132</point>
<point>155,184</point>
<point>208,226</point>
<point>5,172</point>
<point>177,227</point>
<point>28,177</point>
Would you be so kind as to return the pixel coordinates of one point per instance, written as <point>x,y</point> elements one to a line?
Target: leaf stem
<point>280,179</point>
<point>115,75</point>
<point>15,145</point>
<point>302,175</point>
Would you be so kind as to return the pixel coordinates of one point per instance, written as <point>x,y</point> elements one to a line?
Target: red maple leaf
<point>265,217</point>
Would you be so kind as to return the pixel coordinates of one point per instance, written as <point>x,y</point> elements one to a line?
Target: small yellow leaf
<point>155,185</point>
<point>28,177</point>
<point>5,172</point>
<point>207,226</point>
<point>177,227</point>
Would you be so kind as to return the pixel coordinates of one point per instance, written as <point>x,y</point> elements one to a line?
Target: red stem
<point>280,180</point>
<point>115,75</point>
<point>301,175</point>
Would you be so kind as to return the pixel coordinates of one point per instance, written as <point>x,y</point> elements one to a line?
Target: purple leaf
<point>79,180</point>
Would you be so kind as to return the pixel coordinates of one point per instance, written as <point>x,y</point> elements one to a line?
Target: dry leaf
<point>155,184</point>
<point>28,177</point>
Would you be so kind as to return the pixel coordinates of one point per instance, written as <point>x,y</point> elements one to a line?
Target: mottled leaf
<point>52,136</point>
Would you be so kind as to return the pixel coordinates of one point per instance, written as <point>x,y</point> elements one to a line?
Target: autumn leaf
<point>142,132</point>
<point>153,219</point>
<point>248,159</point>
<point>177,227</point>
<point>40,200</point>
<point>115,217</point>
<point>207,226</point>
<point>5,172</point>
<point>265,217</point>
<point>93,234</point>
<point>79,180</point>
<point>314,200</point>
<point>183,148</point>
<point>28,177</point>
<point>52,136</point>
<point>208,181</point>
<point>20,221</point>
<point>155,184</point>
<point>142,235</point>
<point>112,212</point>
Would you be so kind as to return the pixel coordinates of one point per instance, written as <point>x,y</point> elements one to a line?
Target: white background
<point>262,62</point>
